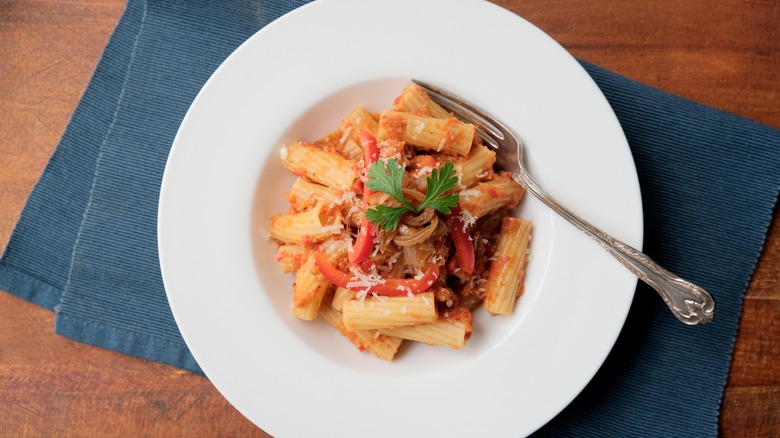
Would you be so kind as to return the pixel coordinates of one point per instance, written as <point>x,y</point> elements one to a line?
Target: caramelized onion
<point>415,195</point>
<point>418,256</point>
<point>418,220</point>
<point>408,236</point>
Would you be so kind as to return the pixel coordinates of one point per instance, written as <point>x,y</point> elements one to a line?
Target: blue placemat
<point>85,245</point>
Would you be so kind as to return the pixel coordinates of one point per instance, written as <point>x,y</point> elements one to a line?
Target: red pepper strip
<point>371,151</point>
<point>368,141</point>
<point>391,286</point>
<point>461,237</point>
<point>365,240</point>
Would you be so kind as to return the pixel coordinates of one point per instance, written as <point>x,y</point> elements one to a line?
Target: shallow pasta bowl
<point>224,181</point>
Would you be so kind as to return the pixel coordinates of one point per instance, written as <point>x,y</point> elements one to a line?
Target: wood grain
<point>724,54</point>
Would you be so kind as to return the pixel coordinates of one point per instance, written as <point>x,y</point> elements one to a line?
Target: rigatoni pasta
<point>452,329</point>
<point>379,311</point>
<point>478,166</point>
<point>499,193</point>
<point>313,225</point>
<point>320,165</point>
<point>304,194</point>
<point>448,135</point>
<point>382,346</point>
<point>290,257</point>
<point>505,276</point>
<point>414,100</point>
<point>309,288</point>
<point>310,284</point>
<point>399,228</point>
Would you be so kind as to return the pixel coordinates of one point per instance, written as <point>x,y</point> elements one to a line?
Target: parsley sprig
<point>388,177</point>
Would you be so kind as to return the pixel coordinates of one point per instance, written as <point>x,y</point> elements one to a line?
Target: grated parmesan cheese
<point>360,280</point>
<point>345,135</point>
<point>333,229</point>
<point>348,197</point>
<point>377,246</point>
<point>283,152</point>
<point>361,295</point>
<point>393,259</point>
<point>427,170</point>
<point>467,218</point>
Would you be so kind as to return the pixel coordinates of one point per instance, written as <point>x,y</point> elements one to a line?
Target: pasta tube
<point>310,285</point>
<point>414,100</point>
<point>304,193</point>
<point>290,257</point>
<point>309,288</point>
<point>340,296</point>
<point>318,165</point>
<point>476,167</point>
<point>490,196</point>
<point>388,312</point>
<point>313,225</point>
<point>452,329</point>
<point>507,268</point>
<point>442,135</point>
<point>359,119</point>
<point>381,346</point>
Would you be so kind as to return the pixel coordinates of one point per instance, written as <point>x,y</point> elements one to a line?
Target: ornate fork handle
<point>690,303</point>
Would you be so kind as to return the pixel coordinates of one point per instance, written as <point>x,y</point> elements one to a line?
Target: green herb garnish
<point>388,177</point>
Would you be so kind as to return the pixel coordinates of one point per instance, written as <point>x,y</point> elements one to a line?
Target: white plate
<point>296,79</point>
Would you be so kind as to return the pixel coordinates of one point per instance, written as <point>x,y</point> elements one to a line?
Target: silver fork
<point>688,302</point>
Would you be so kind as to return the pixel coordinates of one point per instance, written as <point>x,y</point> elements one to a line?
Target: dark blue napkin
<point>85,245</point>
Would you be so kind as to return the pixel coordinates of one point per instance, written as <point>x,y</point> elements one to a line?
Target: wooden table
<point>725,54</point>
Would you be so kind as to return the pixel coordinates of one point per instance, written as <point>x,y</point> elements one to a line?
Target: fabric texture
<point>85,245</point>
